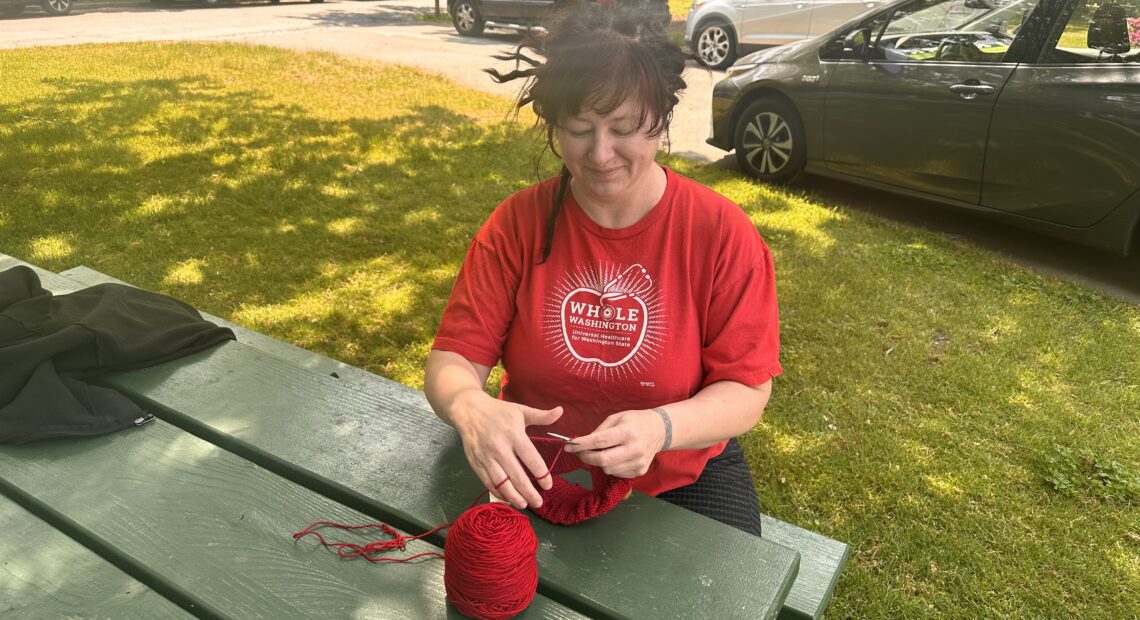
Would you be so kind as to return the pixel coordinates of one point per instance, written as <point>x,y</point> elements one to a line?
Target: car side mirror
<point>856,43</point>
<point>1108,30</point>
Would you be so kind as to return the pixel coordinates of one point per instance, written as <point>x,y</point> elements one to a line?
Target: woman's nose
<point>602,148</point>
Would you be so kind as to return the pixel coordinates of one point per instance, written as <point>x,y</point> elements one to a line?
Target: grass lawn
<point>328,202</point>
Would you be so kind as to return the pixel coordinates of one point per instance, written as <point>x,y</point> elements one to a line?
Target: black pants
<point>724,491</point>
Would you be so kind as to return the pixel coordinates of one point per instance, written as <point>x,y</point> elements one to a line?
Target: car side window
<point>853,44</point>
<point>965,31</point>
<point>1098,32</point>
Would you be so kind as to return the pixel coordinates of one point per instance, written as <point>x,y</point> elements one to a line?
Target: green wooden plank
<point>821,561</point>
<point>374,452</point>
<point>7,261</point>
<point>46,574</point>
<point>212,531</point>
<point>50,281</point>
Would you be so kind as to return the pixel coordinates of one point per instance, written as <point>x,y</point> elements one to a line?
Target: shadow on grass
<point>238,205</point>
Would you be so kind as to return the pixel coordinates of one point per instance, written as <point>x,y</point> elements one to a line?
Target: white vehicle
<point>720,31</point>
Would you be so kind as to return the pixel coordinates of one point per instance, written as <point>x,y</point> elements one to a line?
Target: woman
<point>632,308</point>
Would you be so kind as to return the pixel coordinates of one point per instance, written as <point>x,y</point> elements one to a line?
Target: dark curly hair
<point>596,56</point>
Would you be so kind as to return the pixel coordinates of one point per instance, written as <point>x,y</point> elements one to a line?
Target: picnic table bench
<point>258,438</point>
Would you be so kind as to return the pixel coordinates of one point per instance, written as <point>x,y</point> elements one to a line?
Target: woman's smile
<point>604,173</point>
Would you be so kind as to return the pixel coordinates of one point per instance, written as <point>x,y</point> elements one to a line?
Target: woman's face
<point>610,156</point>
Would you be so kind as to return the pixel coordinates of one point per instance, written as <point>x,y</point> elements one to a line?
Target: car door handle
<point>970,91</point>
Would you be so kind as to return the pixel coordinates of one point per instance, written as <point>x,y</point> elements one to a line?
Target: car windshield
<point>966,15</point>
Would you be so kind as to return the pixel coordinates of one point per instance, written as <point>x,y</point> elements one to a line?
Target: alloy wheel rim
<point>465,16</point>
<point>712,46</point>
<point>768,143</point>
<point>59,5</point>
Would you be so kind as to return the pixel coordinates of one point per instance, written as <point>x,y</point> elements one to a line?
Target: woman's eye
<point>579,134</point>
<point>624,133</point>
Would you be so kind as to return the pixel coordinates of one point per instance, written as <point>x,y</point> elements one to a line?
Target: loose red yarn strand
<point>372,551</point>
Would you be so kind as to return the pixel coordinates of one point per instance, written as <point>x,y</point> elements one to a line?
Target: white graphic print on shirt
<point>605,321</point>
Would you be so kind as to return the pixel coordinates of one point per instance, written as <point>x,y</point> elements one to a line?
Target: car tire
<point>770,142</point>
<point>715,44</point>
<point>56,7</point>
<point>466,18</point>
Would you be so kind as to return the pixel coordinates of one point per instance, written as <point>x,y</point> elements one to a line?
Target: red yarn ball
<point>490,565</point>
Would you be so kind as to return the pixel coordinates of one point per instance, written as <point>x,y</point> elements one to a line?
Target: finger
<point>630,467</point>
<point>533,461</point>
<point>480,471</point>
<point>489,482</point>
<point>608,458</point>
<point>603,437</point>
<point>540,417</point>
<point>503,487</point>
<point>521,483</point>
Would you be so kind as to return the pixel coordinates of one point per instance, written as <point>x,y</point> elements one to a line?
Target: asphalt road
<point>388,30</point>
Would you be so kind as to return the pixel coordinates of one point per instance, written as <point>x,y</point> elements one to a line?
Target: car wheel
<point>716,45</point>
<point>467,19</point>
<point>56,7</point>
<point>770,142</point>
<point>12,11</point>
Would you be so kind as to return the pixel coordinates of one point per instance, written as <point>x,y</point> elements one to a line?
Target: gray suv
<point>471,17</point>
<point>720,31</point>
<point>12,8</point>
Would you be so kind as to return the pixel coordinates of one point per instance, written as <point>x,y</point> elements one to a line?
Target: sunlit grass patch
<point>51,248</point>
<point>186,272</point>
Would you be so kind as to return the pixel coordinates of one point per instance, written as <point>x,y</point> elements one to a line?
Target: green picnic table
<point>193,515</point>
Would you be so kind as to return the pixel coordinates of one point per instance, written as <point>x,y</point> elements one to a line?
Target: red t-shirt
<point>617,319</point>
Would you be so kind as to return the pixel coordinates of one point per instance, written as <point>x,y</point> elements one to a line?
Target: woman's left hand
<point>624,444</point>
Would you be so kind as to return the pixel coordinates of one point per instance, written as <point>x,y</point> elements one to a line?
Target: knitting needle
<point>564,438</point>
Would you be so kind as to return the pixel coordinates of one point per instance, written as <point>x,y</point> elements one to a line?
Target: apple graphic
<point>607,326</point>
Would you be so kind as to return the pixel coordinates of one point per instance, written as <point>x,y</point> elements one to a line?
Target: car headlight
<point>739,68</point>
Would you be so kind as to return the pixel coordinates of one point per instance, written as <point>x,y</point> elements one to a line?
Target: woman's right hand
<point>498,448</point>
